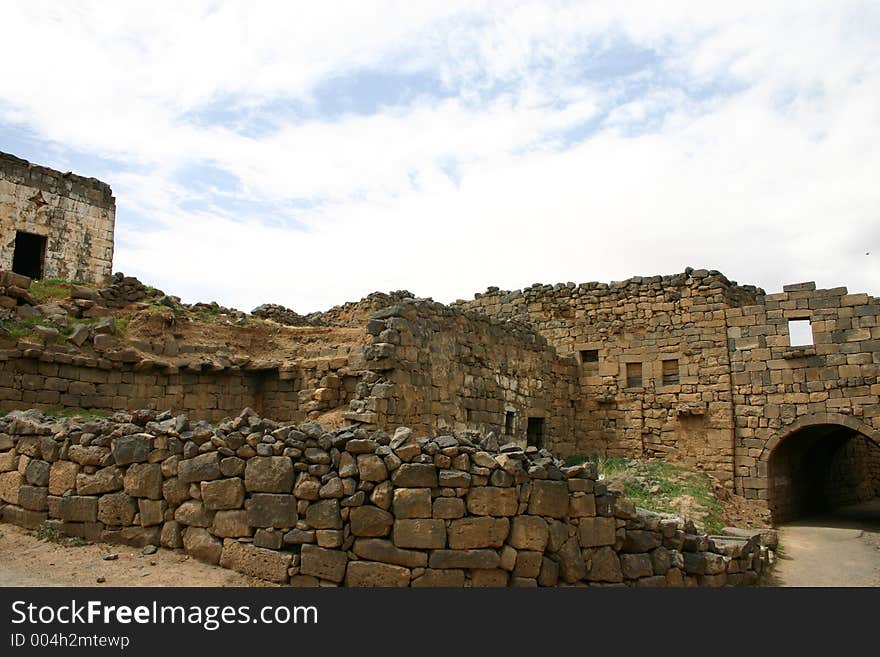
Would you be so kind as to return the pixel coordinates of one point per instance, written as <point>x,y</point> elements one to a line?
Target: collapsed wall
<point>305,507</point>
<point>438,368</point>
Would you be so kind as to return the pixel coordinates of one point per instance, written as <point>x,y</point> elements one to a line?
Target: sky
<point>309,153</point>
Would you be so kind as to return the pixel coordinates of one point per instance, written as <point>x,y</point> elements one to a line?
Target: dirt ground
<point>28,561</point>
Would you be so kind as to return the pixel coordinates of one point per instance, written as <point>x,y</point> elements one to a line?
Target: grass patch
<point>79,413</point>
<point>19,328</point>
<point>659,486</point>
<point>47,532</point>
<point>120,326</point>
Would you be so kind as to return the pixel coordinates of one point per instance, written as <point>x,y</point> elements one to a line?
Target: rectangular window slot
<point>508,423</point>
<point>800,333</point>
<point>633,375</point>
<point>589,356</point>
<point>670,372</point>
<point>535,432</point>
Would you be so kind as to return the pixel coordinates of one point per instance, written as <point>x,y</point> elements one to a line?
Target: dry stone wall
<point>298,505</point>
<point>438,368</point>
<point>75,215</point>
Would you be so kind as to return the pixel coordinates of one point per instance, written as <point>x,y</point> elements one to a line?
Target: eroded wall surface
<point>76,215</point>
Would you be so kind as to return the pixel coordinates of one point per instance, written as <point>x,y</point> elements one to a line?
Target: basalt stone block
<point>255,561</point>
<point>144,480</point>
<point>489,578</point>
<point>529,533</point>
<point>448,508</point>
<point>175,491</point>
<point>419,533</point>
<point>571,562</point>
<point>595,532</point>
<point>634,566</point>
<point>323,563</point>
<point>376,549</point>
<point>605,566</point>
<point>134,448</point>
<point>223,494</point>
<point>152,512</point>
<point>231,523</point>
<point>324,515</point>
<point>62,477</point>
<point>369,573</point>
<point>271,510</point>
<point>549,498</point>
<point>482,559</point>
<point>371,468</point>
<point>269,474</point>
<point>204,467</point>
<point>77,508</point>
<point>370,521</point>
<point>638,540</point>
<point>37,472</point>
<point>116,509</point>
<point>468,533</point>
<point>412,503</point>
<point>433,578</point>
<point>192,512</point>
<point>415,475</point>
<point>492,501</point>
<point>105,480</point>
<point>10,486</point>
<point>199,543</point>
<point>34,498</point>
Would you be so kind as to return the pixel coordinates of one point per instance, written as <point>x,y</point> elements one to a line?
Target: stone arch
<point>819,463</point>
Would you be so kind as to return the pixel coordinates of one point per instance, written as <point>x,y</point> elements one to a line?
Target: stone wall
<point>613,330</point>
<point>76,215</point>
<point>438,368</point>
<point>779,388</point>
<point>298,505</point>
<point>39,378</point>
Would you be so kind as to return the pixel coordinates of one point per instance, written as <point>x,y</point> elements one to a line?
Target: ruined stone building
<point>54,225</point>
<point>777,395</point>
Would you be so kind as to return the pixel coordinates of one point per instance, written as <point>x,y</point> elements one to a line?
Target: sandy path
<point>839,550</point>
<point>25,560</point>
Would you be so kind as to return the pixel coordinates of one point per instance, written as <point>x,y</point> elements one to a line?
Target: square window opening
<point>633,375</point>
<point>670,372</point>
<point>589,356</point>
<point>800,333</point>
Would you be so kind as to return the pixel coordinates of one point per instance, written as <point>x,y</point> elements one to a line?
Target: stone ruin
<point>53,224</point>
<point>691,367</point>
<point>302,506</point>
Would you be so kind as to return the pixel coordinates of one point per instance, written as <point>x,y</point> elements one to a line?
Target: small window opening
<point>633,375</point>
<point>535,432</point>
<point>27,258</point>
<point>508,423</point>
<point>589,356</point>
<point>670,372</point>
<point>800,333</point>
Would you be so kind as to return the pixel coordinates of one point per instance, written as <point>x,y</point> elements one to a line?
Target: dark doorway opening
<point>535,432</point>
<point>30,250</point>
<point>821,468</point>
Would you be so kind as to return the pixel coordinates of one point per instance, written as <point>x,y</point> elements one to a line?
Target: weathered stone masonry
<point>60,223</point>
<point>299,505</point>
<point>734,387</point>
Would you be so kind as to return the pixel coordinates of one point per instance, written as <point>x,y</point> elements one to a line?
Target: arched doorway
<point>818,467</point>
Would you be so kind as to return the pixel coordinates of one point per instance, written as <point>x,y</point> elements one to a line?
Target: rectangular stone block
<point>258,562</point>
<point>494,501</point>
<point>482,532</point>
<point>412,503</point>
<point>369,573</point>
<point>481,559</point>
<point>271,510</point>
<point>595,532</point>
<point>375,549</point>
<point>323,563</point>
<point>77,508</point>
<point>549,498</point>
<point>419,533</point>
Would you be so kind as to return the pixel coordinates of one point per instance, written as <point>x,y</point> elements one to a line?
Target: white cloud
<point>750,142</point>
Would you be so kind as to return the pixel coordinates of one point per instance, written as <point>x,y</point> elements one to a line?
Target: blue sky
<point>310,153</point>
